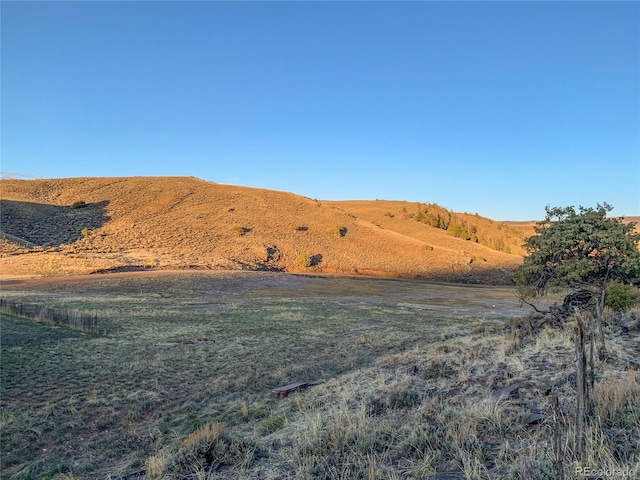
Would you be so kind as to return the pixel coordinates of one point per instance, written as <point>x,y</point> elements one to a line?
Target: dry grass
<point>156,465</point>
<point>209,433</point>
<point>182,351</point>
<point>162,223</point>
<point>403,388</point>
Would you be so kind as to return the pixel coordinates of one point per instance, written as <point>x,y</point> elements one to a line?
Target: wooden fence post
<point>592,347</point>
<point>582,395</point>
<point>558,435</point>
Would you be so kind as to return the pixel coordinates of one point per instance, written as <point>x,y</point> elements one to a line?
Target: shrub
<point>619,296</point>
<point>458,230</point>
<point>240,231</point>
<point>79,204</point>
<point>338,230</point>
<point>303,260</point>
<point>85,232</point>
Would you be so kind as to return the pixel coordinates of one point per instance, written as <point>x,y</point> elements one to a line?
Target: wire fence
<point>82,321</point>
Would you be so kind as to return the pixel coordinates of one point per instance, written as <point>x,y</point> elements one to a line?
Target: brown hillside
<point>183,222</point>
<point>410,218</point>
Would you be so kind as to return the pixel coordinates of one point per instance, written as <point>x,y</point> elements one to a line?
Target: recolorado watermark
<point>607,473</point>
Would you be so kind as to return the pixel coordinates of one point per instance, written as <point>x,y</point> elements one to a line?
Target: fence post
<point>582,395</point>
<point>558,434</point>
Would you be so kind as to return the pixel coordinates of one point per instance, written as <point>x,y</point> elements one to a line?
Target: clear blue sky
<point>498,108</point>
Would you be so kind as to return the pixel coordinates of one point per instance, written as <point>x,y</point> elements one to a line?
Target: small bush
<point>79,204</point>
<point>85,232</point>
<point>619,297</point>
<point>240,231</point>
<point>338,230</point>
<point>303,260</point>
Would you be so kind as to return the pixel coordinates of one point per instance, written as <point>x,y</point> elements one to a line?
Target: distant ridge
<point>84,225</point>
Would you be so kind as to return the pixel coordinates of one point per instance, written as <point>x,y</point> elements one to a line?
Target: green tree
<point>583,251</point>
<point>458,230</point>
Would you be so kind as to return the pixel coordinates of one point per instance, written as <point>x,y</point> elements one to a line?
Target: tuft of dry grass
<point>616,403</point>
<point>207,434</point>
<point>156,465</point>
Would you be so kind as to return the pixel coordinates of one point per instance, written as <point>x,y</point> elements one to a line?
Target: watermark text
<point>612,473</point>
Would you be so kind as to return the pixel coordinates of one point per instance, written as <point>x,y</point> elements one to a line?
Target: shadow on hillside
<point>50,225</point>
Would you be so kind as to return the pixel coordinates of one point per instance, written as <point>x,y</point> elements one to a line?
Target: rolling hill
<point>87,225</point>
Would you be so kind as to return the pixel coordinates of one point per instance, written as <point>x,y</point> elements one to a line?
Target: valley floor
<point>408,380</point>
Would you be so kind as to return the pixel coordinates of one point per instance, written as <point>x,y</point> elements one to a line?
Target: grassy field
<point>402,372</point>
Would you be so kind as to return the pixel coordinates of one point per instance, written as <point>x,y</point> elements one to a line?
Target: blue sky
<point>499,108</point>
